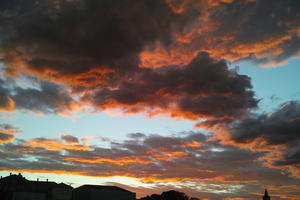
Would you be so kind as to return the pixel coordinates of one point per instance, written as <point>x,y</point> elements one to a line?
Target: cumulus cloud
<point>102,59</point>
<point>205,88</point>
<point>276,133</point>
<point>279,127</point>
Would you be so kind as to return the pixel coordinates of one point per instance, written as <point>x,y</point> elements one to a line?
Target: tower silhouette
<point>266,196</point>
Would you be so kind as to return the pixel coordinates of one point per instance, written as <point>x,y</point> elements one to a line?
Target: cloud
<point>194,163</point>
<point>276,133</point>
<point>103,61</point>
<point>41,98</point>
<point>4,138</point>
<point>87,36</point>
<point>69,138</point>
<point>7,133</point>
<point>259,31</point>
<point>208,169</point>
<point>153,158</point>
<point>285,191</point>
<point>205,88</point>
<point>50,98</point>
<point>279,127</point>
<point>85,45</point>
<point>6,102</point>
<point>77,40</point>
<point>54,144</point>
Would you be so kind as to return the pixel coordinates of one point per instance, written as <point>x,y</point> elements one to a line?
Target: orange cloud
<point>10,105</point>
<point>7,133</point>
<point>121,162</point>
<point>55,145</point>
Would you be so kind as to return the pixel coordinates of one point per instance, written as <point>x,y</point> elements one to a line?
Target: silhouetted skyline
<point>17,187</point>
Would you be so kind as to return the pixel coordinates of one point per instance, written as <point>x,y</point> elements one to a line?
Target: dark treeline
<point>169,195</point>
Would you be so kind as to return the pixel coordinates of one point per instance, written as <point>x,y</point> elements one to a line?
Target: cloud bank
<point>190,160</point>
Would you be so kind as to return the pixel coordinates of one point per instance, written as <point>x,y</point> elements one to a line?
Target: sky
<point>199,96</point>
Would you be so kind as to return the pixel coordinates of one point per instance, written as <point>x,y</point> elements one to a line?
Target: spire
<point>266,196</point>
<point>266,192</point>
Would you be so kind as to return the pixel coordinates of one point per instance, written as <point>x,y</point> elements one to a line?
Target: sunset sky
<point>200,96</point>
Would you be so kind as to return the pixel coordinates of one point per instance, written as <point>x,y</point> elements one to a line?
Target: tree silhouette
<point>174,195</point>
<point>169,195</point>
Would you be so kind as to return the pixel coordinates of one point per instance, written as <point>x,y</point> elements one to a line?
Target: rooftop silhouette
<point>17,187</point>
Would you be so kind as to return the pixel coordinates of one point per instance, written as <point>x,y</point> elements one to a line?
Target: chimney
<point>37,179</point>
<point>10,173</point>
<point>47,180</point>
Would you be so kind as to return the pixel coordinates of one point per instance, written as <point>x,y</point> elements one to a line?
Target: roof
<point>102,187</point>
<point>50,184</point>
<point>14,179</point>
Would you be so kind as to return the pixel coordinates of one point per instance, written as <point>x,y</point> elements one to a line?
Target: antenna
<point>70,183</point>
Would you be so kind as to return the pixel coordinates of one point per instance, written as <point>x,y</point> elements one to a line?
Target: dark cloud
<point>16,6</point>
<point>291,158</point>
<point>89,36</point>
<point>4,138</point>
<point>276,132</point>
<point>9,127</point>
<point>136,135</point>
<point>279,127</point>
<point>39,97</point>
<point>98,48</point>
<point>45,98</point>
<point>204,88</point>
<point>7,132</point>
<point>258,30</point>
<point>9,8</point>
<point>258,19</point>
<point>97,35</point>
<point>6,103</point>
<point>262,26</point>
<point>69,138</point>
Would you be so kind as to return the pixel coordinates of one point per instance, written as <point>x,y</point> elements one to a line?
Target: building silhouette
<point>266,196</point>
<point>96,192</point>
<point>17,187</point>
